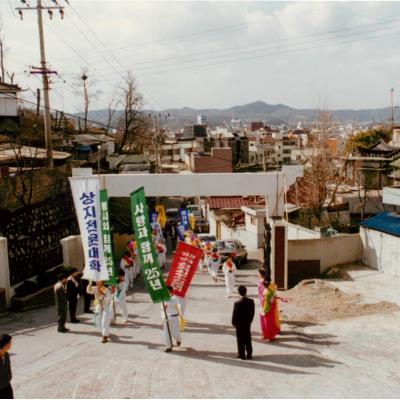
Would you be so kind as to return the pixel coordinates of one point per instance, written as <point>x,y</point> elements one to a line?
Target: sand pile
<point>315,300</point>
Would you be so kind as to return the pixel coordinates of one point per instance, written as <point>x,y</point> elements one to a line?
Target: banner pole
<point>166,319</point>
<point>115,315</point>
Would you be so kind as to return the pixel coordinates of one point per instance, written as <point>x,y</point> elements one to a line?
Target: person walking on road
<point>73,295</point>
<point>103,309</point>
<point>61,301</point>
<point>229,269</point>
<point>213,266</point>
<point>127,265</point>
<point>242,317</point>
<point>170,315</point>
<point>6,391</point>
<point>120,296</point>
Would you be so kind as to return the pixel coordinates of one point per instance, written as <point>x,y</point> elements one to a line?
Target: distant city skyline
<point>338,55</point>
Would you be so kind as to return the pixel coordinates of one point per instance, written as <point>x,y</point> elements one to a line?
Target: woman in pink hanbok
<point>269,323</point>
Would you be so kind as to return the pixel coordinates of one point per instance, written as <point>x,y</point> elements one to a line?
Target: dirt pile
<point>315,300</point>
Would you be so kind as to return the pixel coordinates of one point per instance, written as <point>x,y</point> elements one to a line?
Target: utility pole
<point>392,106</point>
<point>44,71</point>
<point>37,102</point>
<point>156,142</point>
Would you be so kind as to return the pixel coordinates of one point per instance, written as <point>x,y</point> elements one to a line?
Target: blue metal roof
<point>384,222</point>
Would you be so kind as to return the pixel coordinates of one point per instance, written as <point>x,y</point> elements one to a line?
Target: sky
<point>211,54</point>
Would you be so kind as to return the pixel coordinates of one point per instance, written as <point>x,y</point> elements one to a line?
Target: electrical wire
<point>106,59</point>
<point>217,29</point>
<point>155,62</point>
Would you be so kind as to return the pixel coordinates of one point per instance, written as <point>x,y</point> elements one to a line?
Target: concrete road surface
<point>357,357</point>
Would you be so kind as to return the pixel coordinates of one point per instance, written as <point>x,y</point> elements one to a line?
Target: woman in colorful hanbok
<point>261,288</point>
<point>270,322</point>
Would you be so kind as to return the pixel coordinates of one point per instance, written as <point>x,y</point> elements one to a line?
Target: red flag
<point>183,268</point>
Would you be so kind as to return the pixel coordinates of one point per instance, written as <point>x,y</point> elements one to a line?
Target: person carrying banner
<point>229,269</point>
<point>127,265</point>
<point>103,307</point>
<point>170,315</point>
<point>161,250</point>
<point>120,295</point>
<point>213,265</point>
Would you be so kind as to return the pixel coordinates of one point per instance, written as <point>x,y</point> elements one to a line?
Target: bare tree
<point>112,108</point>
<point>86,87</point>
<point>134,124</point>
<point>2,51</point>
<point>320,170</point>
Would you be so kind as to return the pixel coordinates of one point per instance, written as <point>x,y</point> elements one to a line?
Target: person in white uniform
<point>120,296</point>
<point>229,269</point>
<point>127,265</point>
<point>170,315</point>
<point>103,307</point>
<point>213,265</point>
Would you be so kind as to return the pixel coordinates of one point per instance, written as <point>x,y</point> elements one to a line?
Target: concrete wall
<point>5,270</point>
<point>330,251</point>
<point>239,234</point>
<point>8,105</point>
<point>380,251</point>
<point>72,250</point>
<point>299,232</point>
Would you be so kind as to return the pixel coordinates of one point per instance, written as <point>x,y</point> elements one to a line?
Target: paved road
<point>348,358</point>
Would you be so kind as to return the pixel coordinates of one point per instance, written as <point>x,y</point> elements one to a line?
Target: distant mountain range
<point>256,111</point>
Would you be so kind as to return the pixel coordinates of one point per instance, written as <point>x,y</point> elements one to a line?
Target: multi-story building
<point>219,160</point>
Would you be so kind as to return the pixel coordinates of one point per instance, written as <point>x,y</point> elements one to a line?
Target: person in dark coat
<point>73,294</point>
<point>61,301</point>
<point>242,317</point>
<point>87,298</point>
<point>6,391</point>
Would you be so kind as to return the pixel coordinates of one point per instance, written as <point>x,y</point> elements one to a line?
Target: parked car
<point>206,238</point>
<point>231,247</point>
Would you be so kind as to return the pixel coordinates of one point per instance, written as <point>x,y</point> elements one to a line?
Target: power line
<point>266,55</point>
<point>217,29</point>
<point>184,56</point>
<point>101,54</point>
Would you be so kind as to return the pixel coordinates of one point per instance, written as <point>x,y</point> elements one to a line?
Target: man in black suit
<point>242,317</point>
<point>61,301</point>
<point>73,294</point>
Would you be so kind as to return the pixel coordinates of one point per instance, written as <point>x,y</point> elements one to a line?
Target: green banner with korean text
<point>152,275</point>
<point>107,241</point>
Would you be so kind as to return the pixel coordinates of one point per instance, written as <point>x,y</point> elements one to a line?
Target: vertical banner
<point>107,240</point>
<point>183,267</point>
<point>153,217</point>
<point>184,216</point>
<point>85,192</point>
<point>162,218</point>
<point>180,230</point>
<point>152,275</point>
<point>192,222</point>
